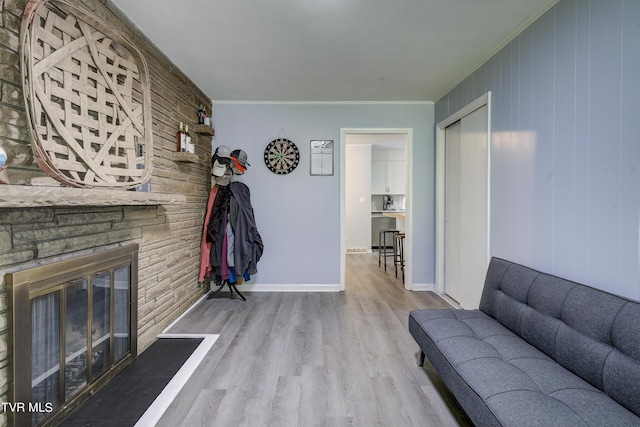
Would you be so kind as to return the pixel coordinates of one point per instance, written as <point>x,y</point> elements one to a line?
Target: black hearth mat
<point>126,397</point>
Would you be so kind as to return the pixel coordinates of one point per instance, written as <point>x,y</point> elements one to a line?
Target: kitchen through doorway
<point>375,193</point>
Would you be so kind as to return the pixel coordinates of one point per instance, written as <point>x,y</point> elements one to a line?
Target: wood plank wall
<point>565,155</point>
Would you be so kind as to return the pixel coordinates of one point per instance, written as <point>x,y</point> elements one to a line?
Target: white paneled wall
<point>358,197</point>
<point>565,184</point>
<point>298,215</point>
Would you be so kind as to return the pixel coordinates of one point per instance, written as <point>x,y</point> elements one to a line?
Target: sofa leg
<point>421,358</point>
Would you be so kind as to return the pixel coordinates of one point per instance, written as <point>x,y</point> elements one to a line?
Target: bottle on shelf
<point>201,114</point>
<point>188,147</point>
<point>181,136</point>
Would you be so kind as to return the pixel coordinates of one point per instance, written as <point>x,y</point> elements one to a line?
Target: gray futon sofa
<point>540,351</point>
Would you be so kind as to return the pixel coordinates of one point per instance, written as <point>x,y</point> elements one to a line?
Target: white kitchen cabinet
<point>396,176</point>
<point>378,177</point>
<point>388,177</point>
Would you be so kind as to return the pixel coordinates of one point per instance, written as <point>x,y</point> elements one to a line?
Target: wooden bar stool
<point>382,246</point>
<point>398,253</point>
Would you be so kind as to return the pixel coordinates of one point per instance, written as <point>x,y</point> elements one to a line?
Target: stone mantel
<point>31,196</point>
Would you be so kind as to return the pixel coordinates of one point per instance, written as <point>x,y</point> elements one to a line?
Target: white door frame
<point>408,132</point>
<point>440,182</point>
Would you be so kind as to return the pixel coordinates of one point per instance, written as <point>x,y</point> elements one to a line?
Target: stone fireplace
<point>44,224</point>
<point>129,259</point>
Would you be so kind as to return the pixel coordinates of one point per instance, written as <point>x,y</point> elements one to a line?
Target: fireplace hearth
<point>74,328</point>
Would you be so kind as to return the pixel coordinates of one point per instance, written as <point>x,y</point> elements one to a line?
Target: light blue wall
<point>298,215</point>
<point>565,185</point>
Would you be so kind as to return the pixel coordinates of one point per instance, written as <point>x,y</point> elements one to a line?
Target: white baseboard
<point>248,287</point>
<point>352,251</point>
<point>422,287</point>
<point>294,287</point>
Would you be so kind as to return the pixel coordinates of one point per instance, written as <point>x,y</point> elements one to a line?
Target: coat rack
<point>229,249</point>
<point>232,288</point>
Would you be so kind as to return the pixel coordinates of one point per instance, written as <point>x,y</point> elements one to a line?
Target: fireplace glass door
<point>101,325</point>
<point>81,334</point>
<point>45,354</point>
<point>76,316</point>
<point>121,323</point>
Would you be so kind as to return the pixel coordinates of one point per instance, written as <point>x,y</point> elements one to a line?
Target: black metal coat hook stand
<point>232,287</point>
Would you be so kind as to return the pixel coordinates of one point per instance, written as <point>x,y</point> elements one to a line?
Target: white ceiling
<point>330,50</point>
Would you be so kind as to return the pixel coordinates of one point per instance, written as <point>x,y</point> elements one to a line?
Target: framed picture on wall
<point>321,157</point>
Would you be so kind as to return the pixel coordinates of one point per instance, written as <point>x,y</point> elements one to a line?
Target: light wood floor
<point>314,359</point>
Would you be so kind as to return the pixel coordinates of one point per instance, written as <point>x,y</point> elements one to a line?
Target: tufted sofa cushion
<point>540,351</point>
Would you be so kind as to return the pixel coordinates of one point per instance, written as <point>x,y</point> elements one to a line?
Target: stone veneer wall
<point>169,236</point>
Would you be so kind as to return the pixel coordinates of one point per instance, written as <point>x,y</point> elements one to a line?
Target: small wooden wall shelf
<point>185,157</point>
<point>203,130</point>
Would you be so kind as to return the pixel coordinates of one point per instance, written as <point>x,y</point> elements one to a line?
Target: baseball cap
<point>241,156</point>
<point>222,154</point>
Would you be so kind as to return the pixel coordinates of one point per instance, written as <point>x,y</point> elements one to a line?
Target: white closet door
<point>466,208</point>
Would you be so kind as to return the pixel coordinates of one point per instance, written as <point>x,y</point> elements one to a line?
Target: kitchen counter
<point>394,214</point>
<point>398,215</point>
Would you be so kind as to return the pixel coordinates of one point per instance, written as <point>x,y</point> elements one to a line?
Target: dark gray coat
<point>248,242</point>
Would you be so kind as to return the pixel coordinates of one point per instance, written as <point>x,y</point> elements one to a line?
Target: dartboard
<point>281,156</point>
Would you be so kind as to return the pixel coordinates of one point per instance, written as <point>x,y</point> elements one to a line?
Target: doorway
<point>362,134</point>
<point>462,192</point>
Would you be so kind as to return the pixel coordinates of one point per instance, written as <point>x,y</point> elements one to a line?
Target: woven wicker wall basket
<point>88,98</point>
